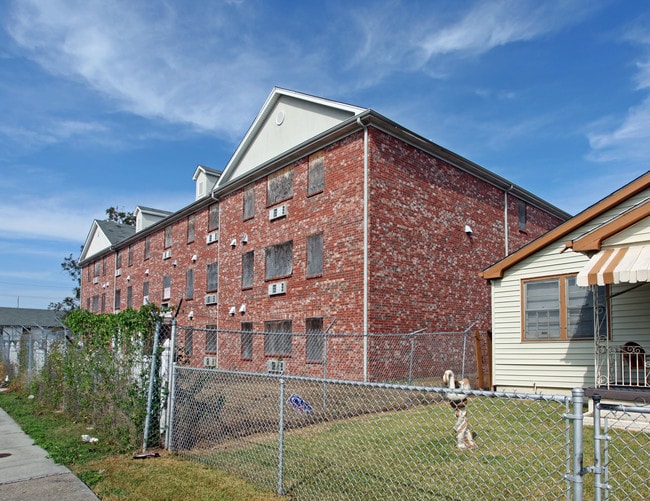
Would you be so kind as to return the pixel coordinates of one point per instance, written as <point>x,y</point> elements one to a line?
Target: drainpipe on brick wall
<point>365,248</point>
<point>505,219</point>
<point>218,274</point>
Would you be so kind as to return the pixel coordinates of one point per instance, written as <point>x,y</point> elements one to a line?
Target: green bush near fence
<point>100,373</point>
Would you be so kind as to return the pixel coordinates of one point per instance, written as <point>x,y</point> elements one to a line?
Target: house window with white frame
<point>557,309</point>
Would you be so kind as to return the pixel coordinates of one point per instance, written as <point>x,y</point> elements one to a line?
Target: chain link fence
<point>325,439</point>
<point>402,358</point>
<point>24,352</point>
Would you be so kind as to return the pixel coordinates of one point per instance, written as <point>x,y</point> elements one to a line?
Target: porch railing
<point>629,367</point>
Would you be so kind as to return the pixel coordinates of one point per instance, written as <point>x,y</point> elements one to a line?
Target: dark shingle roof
<point>116,232</point>
<point>29,317</point>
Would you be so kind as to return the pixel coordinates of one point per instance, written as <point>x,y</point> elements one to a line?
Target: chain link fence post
<point>281,441</point>
<point>578,472</point>
<point>152,379</point>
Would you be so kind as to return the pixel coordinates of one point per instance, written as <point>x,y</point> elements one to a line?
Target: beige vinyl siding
<point>552,365</point>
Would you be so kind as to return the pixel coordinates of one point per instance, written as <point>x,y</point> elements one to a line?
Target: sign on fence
<point>299,405</point>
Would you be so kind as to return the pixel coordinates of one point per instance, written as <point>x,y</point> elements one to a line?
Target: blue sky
<point>115,103</point>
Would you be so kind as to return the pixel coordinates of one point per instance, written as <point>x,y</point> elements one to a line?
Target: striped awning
<point>617,265</point>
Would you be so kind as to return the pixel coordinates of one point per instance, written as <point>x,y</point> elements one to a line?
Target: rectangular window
<point>118,299</point>
<point>96,269</point>
<point>247,264</point>
<point>315,255</point>
<point>277,337</point>
<point>145,289</point>
<point>95,304</point>
<point>104,267</point>
<point>130,256</point>
<point>190,228</point>
<point>279,260</point>
<point>314,344</point>
<point>168,237</point>
<point>556,309</point>
<point>280,186</point>
<point>521,214</point>
<point>167,287</point>
<point>247,340</point>
<point>103,303</point>
<point>189,341</point>
<point>189,284</point>
<point>147,247</point>
<point>118,260</point>
<point>249,204</point>
<point>211,339</point>
<point>129,297</point>
<point>213,277</point>
<point>213,217</point>
<point>316,181</point>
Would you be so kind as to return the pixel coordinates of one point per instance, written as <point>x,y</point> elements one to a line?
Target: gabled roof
<point>287,119</point>
<point>103,235</point>
<point>641,183</point>
<point>206,170</point>
<point>29,317</point>
<point>153,212</point>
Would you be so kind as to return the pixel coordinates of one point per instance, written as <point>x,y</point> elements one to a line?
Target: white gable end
<point>287,120</point>
<point>98,242</point>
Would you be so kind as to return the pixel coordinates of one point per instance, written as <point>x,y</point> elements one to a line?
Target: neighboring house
<point>326,214</point>
<point>571,309</point>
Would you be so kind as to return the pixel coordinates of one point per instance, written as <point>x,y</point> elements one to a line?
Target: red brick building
<point>326,213</point>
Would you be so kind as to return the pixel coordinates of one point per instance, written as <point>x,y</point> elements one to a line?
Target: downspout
<point>218,272</point>
<point>365,248</point>
<point>505,219</point>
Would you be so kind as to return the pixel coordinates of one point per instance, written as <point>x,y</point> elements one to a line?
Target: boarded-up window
<point>247,268</point>
<point>213,277</point>
<point>315,255</point>
<point>147,247</point>
<point>95,304</point>
<point>168,237</point>
<point>279,260</point>
<point>316,181</point>
<point>189,284</point>
<point>96,269</point>
<point>129,297</point>
<point>247,340</point>
<point>249,203</point>
<point>103,302</point>
<point>145,289</point>
<point>189,341</point>
<point>277,337</point>
<point>104,266</point>
<point>213,217</point>
<point>118,299</point>
<point>190,228</point>
<point>211,339</point>
<point>280,186</point>
<point>167,286</point>
<point>521,209</point>
<point>118,259</point>
<point>314,345</point>
<point>130,258</point>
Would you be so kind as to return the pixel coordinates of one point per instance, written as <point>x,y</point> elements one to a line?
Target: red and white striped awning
<point>617,265</point>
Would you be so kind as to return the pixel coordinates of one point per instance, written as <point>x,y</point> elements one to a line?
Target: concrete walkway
<point>27,473</point>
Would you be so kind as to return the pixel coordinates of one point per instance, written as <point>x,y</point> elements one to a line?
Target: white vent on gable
<point>167,254</point>
<point>277,212</point>
<point>277,288</point>
<point>96,280</point>
<point>275,366</point>
<point>210,299</point>
<point>118,272</point>
<point>209,361</point>
<point>211,238</point>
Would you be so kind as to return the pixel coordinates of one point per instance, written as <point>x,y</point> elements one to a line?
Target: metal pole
<point>152,377</point>
<point>412,353</point>
<point>172,400</point>
<point>281,442</point>
<point>170,378</point>
<point>597,458</point>
<point>578,472</point>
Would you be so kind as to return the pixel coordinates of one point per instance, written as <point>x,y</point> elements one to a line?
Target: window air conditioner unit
<point>210,299</point>
<point>210,238</point>
<point>96,280</point>
<point>167,254</point>
<point>275,366</point>
<point>118,272</point>
<point>277,288</point>
<point>277,212</point>
<point>209,361</point>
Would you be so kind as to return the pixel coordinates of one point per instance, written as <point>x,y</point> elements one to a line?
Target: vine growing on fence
<point>100,374</point>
